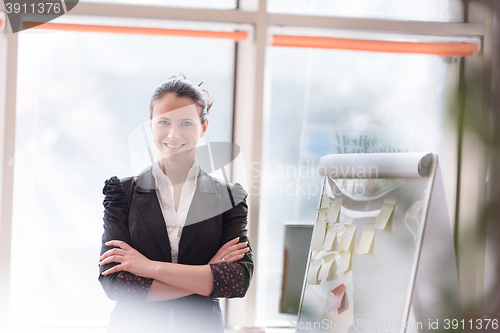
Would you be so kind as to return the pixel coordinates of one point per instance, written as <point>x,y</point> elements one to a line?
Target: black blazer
<point>132,213</point>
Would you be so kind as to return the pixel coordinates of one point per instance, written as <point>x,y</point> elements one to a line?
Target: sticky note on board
<point>366,240</point>
<point>325,202</point>
<point>327,266</point>
<point>333,212</point>
<point>385,213</point>
<point>347,236</point>
<point>343,258</point>
<point>319,233</point>
<point>338,296</point>
<point>323,210</point>
<point>312,274</point>
<point>331,234</point>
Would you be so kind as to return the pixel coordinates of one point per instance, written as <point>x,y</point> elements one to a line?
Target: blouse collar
<point>158,172</point>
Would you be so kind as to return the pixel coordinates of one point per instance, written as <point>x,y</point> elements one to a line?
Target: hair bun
<point>182,87</point>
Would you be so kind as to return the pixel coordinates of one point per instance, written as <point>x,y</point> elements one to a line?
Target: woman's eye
<point>186,123</point>
<point>163,122</point>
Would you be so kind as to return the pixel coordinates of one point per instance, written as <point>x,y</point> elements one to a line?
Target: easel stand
<point>382,257</point>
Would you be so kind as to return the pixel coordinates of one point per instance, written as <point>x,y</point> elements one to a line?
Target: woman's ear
<point>204,128</point>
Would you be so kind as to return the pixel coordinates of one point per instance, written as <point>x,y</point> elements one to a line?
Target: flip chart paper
<point>333,212</point>
<point>343,259</point>
<point>347,236</point>
<point>327,266</point>
<point>331,234</point>
<point>380,165</point>
<point>319,233</point>
<point>366,240</point>
<point>385,213</point>
<point>338,295</point>
<point>312,274</point>
<point>325,202</point>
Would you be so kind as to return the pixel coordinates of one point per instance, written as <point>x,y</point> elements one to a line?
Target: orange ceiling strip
<point>237,36</point>
<point>442,49</point>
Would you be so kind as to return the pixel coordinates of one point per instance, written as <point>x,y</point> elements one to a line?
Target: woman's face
<point>176,126</point>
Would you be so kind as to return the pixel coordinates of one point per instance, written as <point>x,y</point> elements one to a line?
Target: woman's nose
<point>174,133</point>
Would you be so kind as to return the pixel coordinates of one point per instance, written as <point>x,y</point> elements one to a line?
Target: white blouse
<point>174,220</point>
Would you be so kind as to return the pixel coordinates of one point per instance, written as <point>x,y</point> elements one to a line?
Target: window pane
<point>213,4</point>
<point>419,10</point>
<point>80,98</point>
<point>324,102</point>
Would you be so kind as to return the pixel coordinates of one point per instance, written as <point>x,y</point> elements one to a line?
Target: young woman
<point>175,238</point>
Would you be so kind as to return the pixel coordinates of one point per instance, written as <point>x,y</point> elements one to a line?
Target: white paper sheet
<point>383,165</point>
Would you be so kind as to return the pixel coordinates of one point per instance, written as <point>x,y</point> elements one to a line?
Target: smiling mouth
<point>174,146</point>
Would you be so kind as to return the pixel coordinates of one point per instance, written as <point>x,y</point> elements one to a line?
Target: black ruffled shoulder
<point>114,196</point>
<point>239,194</point>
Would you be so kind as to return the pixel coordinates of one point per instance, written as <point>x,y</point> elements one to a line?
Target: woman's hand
<point>129,258</point>
<point>231,251</point>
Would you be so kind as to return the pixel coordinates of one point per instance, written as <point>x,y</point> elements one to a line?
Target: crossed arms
<point>127,274</point>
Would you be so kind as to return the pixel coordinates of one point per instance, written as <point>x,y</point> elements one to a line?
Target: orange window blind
<point>234,35</point>
<point>442,49</point>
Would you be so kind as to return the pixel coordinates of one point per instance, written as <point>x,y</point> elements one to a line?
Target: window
<point>80,96</point>
<point>324,102</point>
<point>419,10</point>
<point>214,4</point>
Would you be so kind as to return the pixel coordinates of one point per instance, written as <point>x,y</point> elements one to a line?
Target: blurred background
<point>292,80</point>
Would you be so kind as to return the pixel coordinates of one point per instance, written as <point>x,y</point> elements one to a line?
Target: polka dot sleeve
<point>228,280</point>
<point>131,287</point>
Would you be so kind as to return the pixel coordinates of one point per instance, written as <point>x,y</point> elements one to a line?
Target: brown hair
<point>182,87</point>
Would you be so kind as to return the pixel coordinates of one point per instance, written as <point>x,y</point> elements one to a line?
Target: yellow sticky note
<point>323,210</point>
<point>385,213</point>
<point>346,240</point>
<point>366,240</point>
<point>327,266</point>
<point>331,233</point>
<point>333,212</point>
<point>343,258</point>
<point>325,202</point>
<point>319,233</point>
<point>390,201</point>
<point>312,274</point>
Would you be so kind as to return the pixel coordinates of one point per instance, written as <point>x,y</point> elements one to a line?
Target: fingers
<point>236,255</point>
<point>234,258</point>
<point>119,243</point>
<point>226,251</point>
<point>233,248</point>
<point>112,270</point>
<point>113,255</point>
<point>111,259</point>
<point>115,251</point>
<point>228,244</point>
